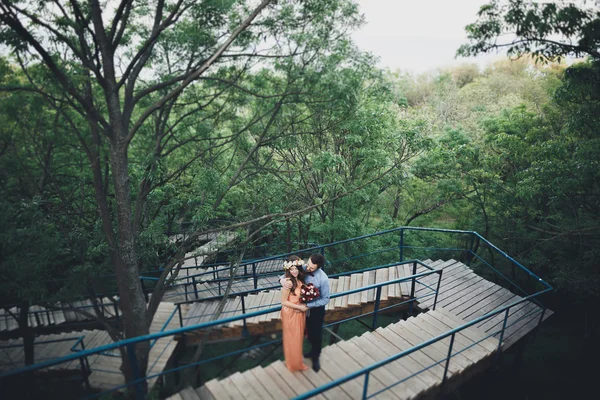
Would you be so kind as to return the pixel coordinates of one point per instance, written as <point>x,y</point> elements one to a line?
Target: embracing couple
<point>304,295</point>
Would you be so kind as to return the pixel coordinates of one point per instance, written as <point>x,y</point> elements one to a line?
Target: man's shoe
<point>316,364</point>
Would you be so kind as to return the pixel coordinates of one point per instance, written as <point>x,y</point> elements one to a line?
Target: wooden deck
<point>206,287</point>
<point>338,309</point>
<point>342,358</point>
<point>469,296</point>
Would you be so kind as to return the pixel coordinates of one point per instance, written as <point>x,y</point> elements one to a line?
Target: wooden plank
<point>381,275</point>
<point>371,293</point>
<point>355,283</point>
<point>343,284</point>
<point>270,300</point>
<point>433,355</point>
<point>398,369</point>
<point>298,382</point>
<point>483,291</point>
<point>260,305</point>
<point>486,305</point>
<point>364,295</point>
<point>457,288</point>
<point>404,286</point>
<point>333,284</point>
<point>204,393</point>
<point>281,383</point>
<point>189,394</point>
<point>348,365</point>
<point>346,288</point>
<point>320,379</point>
<point>363,359</point>
<point>217,390</point>
<point>329,366</point>
<point>248,391</point>
<point>414,362</point>
<point>471,332</point>
<point>442,345</point>
<point>470,349</point>
<point>232,391</point>
<point>269,385</point>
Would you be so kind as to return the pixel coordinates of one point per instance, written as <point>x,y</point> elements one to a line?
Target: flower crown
<point>288,264</point>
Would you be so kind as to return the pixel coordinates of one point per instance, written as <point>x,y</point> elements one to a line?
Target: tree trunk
<point>26,333</point>
<point>396,205</point>
<point>132,299</point>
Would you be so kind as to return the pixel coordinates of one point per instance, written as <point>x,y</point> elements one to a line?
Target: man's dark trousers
<point>314,327</point>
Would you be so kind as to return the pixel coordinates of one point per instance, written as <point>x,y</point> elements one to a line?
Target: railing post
<point>448,358</point>
<point>412,288</point>
<point>470,255</point>
<point>195,288</point>
<point>244,312</point>
<point>376,309</point>
<point>401,245</point>
<point>502,334</point>
<point>437,290</point>
<point>254,275</point>
<point>180,315</point>
<point>139,391</point>
<point>366,385</point>
<point>85,368</point>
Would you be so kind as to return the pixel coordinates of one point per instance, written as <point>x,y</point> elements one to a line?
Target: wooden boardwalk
<point>469,296</point>
<point>337,360</point>
<point>338,309</point>
<point>206,286</point>
<point>105,372</point>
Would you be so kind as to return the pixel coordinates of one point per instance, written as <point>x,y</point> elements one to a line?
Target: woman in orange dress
<point>293,316</point>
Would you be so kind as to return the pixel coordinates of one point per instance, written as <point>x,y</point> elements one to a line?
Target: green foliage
<point>535,27</point>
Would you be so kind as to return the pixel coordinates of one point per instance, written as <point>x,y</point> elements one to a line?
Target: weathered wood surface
<point>469,296</point>
<point>105,372</point>
<point>472,352</point>
<point>338,308</point>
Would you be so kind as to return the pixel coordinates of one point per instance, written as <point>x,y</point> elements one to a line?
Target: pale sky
<point>418,35</point>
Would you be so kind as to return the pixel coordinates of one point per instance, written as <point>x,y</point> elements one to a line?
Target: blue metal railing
<point>402,249</point>
<point>366,371</point>
<point>129,344</point>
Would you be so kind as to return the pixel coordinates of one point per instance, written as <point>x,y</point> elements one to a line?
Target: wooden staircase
<point>276,382</point>
<point>338,308</point>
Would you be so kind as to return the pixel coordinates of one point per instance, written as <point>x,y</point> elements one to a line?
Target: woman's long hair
<point>301,274</point>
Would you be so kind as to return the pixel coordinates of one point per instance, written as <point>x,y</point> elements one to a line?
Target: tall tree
<point>163,77</point>
<point>550,30</point>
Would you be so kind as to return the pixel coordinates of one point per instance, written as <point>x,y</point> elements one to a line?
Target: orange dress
<point>293,333</point>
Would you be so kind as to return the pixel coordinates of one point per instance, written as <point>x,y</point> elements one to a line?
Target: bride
<point>293,315</point>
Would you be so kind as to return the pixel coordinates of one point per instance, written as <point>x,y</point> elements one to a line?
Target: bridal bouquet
<point>309,293</point>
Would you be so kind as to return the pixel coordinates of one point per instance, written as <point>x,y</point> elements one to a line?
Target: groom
<point>316,316</point>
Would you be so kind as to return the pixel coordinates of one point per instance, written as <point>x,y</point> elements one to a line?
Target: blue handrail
<point>368,369</point>
<point>183,330</point>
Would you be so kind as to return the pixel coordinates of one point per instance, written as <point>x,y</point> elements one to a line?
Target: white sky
<point>418,35</point>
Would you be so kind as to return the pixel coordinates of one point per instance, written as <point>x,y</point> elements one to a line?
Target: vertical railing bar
<point>502,334</point>
<point>365,386</point>
<point>195,287</point>
<point>437,290</point>
<point>376,309</point>
<point>401,245</point>
<point>448,358</point>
